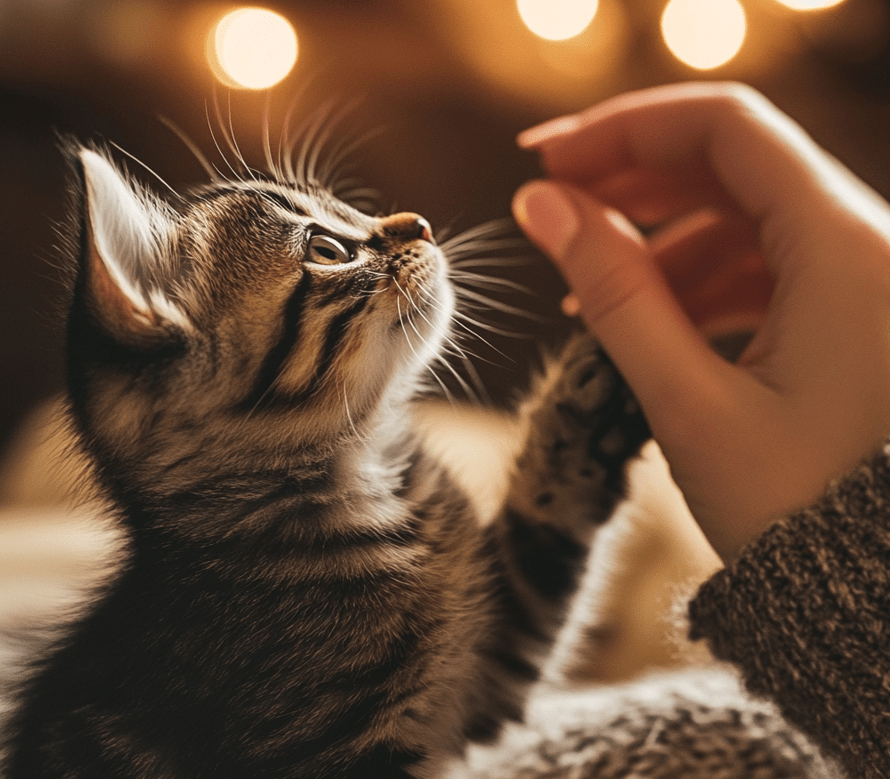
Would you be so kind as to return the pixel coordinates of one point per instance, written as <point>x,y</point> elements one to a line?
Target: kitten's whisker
<point>334,156</point>
<point>411,346</point>
<point>470,392</point>
<point>348,411</point>
<point>247,170</point>
<point>458,351</point>
<point>462,243</point>
<point>367,293</point>
<point>490,303</point>
<point>472,261</point>
<point>140,162</point>
<point>456,317</point>
<point>209,169</point>
<point>267,141</point>
<point>476,379</point>
<point>488,254</point>
<point>461,324</point>
<point>219,149</point>
<point>260,400</point>
<point>467,359</point>
<point>227,130</point>
<point>414,309</point>
<point>285,148</point>
<point>311,133</point>
<point>494,282</point>
<point>220,123</point>
<point>446,338</point>
<point>344,184</point>
<point>495,227</point>
<point>365,199</point>
<point>490,328</point>
<point>341,148</point>
<point>337,156</point>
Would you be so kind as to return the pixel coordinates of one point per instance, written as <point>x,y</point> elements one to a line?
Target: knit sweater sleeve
<point>804,612</point>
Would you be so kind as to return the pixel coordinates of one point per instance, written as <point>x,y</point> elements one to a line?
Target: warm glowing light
<point>810,5</point>
<point>557,20</point>
<point>704,33</point>
<point>252,48</point>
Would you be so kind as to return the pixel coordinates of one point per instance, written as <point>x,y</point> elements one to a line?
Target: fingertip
<point>547,131</point>
<point>547,215</point>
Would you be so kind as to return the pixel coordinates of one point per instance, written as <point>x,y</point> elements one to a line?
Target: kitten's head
<point>246,303</point>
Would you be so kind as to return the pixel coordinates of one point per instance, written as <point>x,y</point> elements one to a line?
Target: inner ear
<point>124,262</point>
<point>121,307</point>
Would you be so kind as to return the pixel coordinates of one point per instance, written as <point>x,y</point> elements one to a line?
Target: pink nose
<point>407,226</point>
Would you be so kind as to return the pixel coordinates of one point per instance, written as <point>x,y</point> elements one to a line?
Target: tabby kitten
<point>307,593</point>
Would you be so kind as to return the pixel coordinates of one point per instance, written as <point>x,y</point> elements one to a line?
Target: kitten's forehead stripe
<point>283,201</point>
<point>330,213</point>
<point>267,196</point>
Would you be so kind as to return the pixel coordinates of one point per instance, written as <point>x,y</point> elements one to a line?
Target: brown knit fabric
<point>805,615</point>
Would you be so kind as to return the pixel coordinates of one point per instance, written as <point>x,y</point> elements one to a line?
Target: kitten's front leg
<point>584,426</point>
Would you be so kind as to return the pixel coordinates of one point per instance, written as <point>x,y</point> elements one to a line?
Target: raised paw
<point>596,404</point>
<point>584,428</point>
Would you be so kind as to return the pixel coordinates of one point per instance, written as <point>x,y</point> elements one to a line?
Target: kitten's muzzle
<point>407,226</point>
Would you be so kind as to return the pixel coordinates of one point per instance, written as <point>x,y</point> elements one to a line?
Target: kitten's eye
<point>327,251</point>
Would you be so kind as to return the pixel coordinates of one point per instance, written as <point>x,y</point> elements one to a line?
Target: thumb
<point>624,297</point>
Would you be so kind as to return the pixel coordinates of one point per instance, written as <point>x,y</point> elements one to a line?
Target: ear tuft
<point>124,262</point>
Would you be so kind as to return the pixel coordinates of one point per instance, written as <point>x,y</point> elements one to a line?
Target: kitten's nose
<point>407,226</point>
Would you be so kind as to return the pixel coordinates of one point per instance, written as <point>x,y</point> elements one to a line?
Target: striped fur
<point>308,593</point>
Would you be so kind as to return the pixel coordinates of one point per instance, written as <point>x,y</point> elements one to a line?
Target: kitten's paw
<point>591,395</point>
<point>584,428</point>
<point>587,380</point>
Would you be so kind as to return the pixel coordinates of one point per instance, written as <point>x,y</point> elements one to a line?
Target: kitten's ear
<point>122,261</point>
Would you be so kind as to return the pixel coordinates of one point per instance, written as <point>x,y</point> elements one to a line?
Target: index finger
<point>758,155</point>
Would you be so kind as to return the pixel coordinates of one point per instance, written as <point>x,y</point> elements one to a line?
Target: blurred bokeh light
<point>557,20</point>
<point>704,34</point>
<point>252,48</point>
<point>810,5</point>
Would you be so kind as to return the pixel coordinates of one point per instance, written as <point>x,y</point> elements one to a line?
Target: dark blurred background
<point>446,83</point>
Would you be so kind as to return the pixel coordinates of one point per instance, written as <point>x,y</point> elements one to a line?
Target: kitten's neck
<point>223,489</point>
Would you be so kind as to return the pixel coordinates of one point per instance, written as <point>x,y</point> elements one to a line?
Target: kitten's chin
<point>425,331</point>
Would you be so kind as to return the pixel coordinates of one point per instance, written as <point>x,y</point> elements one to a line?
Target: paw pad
<point>591,395</point>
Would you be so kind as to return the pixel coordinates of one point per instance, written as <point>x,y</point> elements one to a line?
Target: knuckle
<point>733,101</point>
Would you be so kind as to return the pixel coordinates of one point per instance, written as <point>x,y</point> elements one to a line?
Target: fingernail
<point>548,216</point>
<point>535,136</point>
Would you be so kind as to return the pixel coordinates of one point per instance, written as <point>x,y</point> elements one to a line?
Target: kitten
<point>307,593</point>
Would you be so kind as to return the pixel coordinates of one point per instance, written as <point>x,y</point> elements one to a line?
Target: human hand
<point>755,225</point>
